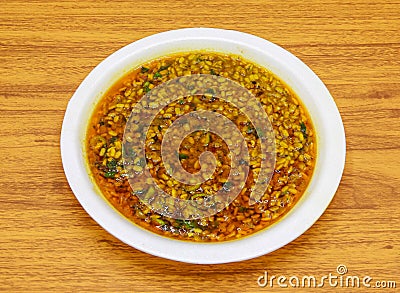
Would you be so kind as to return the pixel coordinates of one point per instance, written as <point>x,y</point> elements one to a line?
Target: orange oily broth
<point>294,135</point>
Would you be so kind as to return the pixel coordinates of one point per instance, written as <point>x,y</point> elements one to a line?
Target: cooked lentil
<point>294,137</point>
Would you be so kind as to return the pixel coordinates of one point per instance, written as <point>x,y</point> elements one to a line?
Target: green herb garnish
<point>242,209</point>
<point>164,67</point>
<point>160,222</point>
<point>146,87</point>
<point>112,164</point>
<point>303,129</point>
<point>113,139</point>
<point>188,224</point>
<point>183,156</point>
<point>109,174</point>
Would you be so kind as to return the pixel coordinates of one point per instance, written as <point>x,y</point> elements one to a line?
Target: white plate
<point>331,145</point>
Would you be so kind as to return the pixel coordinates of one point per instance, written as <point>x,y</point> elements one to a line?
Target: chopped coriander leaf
<point>303,129</point>
<point>113,139</point>
<point>227,186</point>
<point>146,87</point>
<point>157,75</point>
<point>183,156</point>
<point>249,129</point>
<point>164,67</point>
<point>144,69</point>
<point>109,174</point>
<point>188,224</point>
<point>112,164</point>
<point>160,222</point>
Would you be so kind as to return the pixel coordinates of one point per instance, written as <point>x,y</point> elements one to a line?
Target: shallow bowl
<point>301,79</point>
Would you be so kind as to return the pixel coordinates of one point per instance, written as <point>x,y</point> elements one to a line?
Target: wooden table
<point>47,241</point>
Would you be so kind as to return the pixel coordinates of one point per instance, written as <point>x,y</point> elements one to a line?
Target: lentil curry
<point>294,146</point>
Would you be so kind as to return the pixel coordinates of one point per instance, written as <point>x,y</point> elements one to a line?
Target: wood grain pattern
<point>47,241</point>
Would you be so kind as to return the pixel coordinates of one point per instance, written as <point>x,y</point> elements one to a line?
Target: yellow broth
<point>294,137</point>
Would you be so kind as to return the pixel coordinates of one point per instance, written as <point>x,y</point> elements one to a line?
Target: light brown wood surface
<point>47,241</point>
